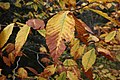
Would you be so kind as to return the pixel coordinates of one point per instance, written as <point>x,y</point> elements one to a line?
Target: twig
<point>16,68</point>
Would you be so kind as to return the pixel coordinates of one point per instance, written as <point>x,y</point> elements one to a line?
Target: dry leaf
<point>6,61</point>
<point>22,73</point>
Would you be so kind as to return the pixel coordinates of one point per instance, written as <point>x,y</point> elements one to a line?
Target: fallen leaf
<point>110,36</point>
<point>22,73</point>
<point>6,61</point>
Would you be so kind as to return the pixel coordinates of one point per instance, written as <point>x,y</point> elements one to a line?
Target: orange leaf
<point>60,29</point>
<point>2,77</point>
<point>36,24</point>
<point>22,73</point>
<point>11,57</point>
<point>6,61</point>
<point>10,47</point>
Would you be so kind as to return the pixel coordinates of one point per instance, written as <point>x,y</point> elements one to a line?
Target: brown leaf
<point>2,77</point>
<point>10,47</point>
<point>32,70</point>
<point>36,24</point>
<point>22,73</point>
<point>11,57</point>
<point>105,53</point>
<point>89,73</point>
<point>45,60</point>
<point>6,61</point>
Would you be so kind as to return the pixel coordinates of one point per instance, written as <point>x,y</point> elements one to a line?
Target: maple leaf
<point>60,29</point>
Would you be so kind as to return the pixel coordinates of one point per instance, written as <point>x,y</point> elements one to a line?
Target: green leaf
<point>5,34</point>
<point>21,38</point>
<point>110,36</point>
<point>88,59</point>
<point>62,76</point>
<point>42,32</point>
<point>69,62</point>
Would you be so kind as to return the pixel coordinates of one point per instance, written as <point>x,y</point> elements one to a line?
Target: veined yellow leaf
<point>88,59</point>
<point>62,76</point>
<point>60,29</point>
<point>110,36</point>
<point>71,76</point>
<point>21,38</point>
<point>105,15</point>
<point>5,34</point>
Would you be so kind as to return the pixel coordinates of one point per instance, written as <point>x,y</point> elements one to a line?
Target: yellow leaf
<point>5,5</point>
<point>21,38</point>
<point>41,78</point>
<point>72,76</point>
<point>88,59</point>
<point>22,73</point>
<point>110,36</point>
<point>5,34</point>
<point>105,15</point>
<point>69,62</point>
<point>42,32</point>
<point>118,35</point>
<point>62,76</point>
<point>60,29</point>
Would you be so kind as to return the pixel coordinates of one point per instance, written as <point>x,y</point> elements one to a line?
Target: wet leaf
<point>88,59</point>
<point>110,36</point>
<point>5,34</point>
<point>21,38</point>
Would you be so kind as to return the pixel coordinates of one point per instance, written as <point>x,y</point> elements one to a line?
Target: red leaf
<point>32,70</point>
<point>36,24</point>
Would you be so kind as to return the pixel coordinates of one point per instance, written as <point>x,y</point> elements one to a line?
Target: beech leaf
<point>88,59</point>
<point>21,38</point>
<point>60,29</point>
<point>69,63</point>
<point>110,36</point>
<point>62,76</point>
<point>5,34</point>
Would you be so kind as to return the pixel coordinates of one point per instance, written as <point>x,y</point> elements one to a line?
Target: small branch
<point>16,68</point>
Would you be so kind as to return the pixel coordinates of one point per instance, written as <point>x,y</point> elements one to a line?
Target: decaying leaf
<point>36,24</point>
<point>72,76</point>
<point>110,36</point>
<point>88,59</point>
<point>6,61</point>
<point>22,73</point>
<point>60,29</point>
<point>21,38</point>
<point>10,47</point>
<point>5,34</point>
<point>105,53</point>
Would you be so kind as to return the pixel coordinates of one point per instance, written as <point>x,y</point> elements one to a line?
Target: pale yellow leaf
<point>21,38</point>
<point>69,62</point>
<point>5,34</point>
<point>62,76</point>
<point>72,76</point>
<point>110,36</point>
<point>88,59</point>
